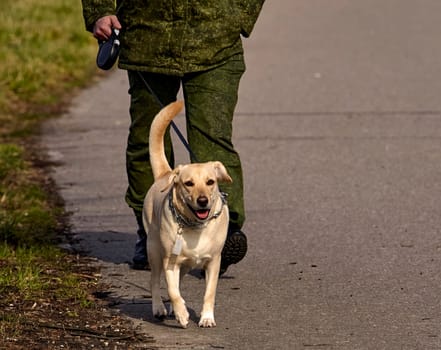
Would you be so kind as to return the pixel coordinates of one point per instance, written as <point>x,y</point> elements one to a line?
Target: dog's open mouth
<point>201,214</point>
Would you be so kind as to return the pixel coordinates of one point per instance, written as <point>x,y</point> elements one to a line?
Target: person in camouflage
<point>166,44</point>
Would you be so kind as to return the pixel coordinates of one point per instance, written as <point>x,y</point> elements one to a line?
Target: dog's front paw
<point>159,311</point>
<point>181,315</point>
<point>207,320</point>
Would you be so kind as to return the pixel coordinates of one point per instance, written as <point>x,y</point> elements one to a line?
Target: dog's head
<point>196,187</point>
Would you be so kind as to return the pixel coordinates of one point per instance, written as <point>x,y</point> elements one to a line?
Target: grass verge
<point>46,295</point>
<point>45,54</point>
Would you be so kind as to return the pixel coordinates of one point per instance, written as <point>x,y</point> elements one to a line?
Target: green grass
<point>45,56</point>
<point>46,52</point>
<point>30,274</point>
<point>39,284</point>
<point>27,216</point>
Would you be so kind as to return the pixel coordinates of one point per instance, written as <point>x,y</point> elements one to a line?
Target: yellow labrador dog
<point>186,220</point>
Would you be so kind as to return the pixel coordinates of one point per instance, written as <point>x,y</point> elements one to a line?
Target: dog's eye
<point>189,183</point>
<point>210,182</point>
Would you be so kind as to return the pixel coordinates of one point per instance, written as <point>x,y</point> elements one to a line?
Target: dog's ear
<point>172,178</point>
<point>221,172</point>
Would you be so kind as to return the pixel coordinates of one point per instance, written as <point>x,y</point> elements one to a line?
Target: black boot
<point>234,250</point>
<point>140,261</point>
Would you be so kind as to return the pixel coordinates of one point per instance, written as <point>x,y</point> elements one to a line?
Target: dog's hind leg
<point>158,308</point>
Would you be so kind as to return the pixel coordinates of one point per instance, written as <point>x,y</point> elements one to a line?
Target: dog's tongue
<point>202,214</point>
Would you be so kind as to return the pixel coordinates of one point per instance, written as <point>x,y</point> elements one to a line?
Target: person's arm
<point>99,17</point>
<point>250,10</point>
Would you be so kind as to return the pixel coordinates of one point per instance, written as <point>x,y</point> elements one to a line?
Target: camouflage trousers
<point>210,99</point>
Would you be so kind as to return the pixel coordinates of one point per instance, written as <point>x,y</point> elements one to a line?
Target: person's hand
<point>103,27</point>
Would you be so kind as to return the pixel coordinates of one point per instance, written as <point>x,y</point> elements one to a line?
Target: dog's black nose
<point>202,201</point>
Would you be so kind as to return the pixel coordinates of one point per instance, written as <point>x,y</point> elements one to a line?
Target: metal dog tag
<point>177,248</point>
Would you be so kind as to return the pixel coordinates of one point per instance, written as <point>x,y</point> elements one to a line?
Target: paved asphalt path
<point>339,129</point>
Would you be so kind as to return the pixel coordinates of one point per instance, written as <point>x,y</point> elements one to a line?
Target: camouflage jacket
<point>177,36</point>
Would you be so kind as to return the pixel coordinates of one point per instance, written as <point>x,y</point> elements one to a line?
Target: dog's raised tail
<point>158,159</point>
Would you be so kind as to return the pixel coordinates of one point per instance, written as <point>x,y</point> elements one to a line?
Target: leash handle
<point>172,123</point>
